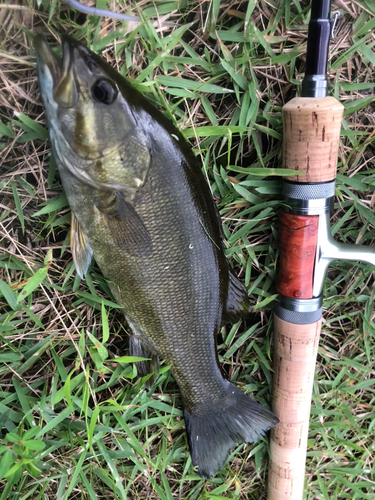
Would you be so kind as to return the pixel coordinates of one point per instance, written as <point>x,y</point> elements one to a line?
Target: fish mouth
<point>46,58</point>
<point>64,85</point>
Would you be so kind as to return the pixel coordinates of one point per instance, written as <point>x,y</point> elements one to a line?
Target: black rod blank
<point>315,83</point>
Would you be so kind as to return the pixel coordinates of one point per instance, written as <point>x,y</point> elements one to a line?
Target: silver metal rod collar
<point>309,199</point>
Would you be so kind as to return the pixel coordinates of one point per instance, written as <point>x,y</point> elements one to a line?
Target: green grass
<point>77,424</point>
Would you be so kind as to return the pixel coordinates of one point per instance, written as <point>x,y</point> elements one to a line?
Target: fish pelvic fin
<point>148,368</point>
<point>211,434</point>
<point>81,250</point>
<point>238,304</point>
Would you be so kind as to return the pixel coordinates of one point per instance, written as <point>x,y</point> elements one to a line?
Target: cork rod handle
<point>311,137</point>
<point>311,140</point>
<point>294,367</point>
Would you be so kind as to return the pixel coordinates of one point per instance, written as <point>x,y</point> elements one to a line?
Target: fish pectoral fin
<point>81,250</point>
<point>127,226</point>
<point>238,304</point>
<point>144,368</point>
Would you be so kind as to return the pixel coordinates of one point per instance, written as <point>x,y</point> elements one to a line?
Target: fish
<point>142,208</point>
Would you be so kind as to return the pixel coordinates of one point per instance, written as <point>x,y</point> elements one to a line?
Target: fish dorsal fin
<point>238,303</point>
<point>81,250</point>
<point>151,366</point>
<point>125,224</point>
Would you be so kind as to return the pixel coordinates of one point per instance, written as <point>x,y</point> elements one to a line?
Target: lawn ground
<point>74,423</point>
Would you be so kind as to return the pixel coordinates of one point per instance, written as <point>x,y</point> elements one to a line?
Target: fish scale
<point>141,206</point>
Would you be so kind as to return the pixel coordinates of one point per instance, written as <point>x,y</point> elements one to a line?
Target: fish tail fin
<point>212,433</point>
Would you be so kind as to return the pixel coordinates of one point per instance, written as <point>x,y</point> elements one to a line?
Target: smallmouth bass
<point>141,206</point>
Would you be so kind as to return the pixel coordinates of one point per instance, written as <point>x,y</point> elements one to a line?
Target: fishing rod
<point>311,128</point>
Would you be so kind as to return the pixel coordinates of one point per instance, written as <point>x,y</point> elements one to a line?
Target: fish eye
<point>104,91</point>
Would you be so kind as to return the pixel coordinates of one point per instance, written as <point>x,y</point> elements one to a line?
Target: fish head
<point>95,130</point>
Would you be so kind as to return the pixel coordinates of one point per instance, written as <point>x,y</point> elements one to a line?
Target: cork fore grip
<point>298,237</point>
<point>311,137</point>
<point>296,348</point>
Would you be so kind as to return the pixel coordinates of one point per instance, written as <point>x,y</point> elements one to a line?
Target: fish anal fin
<point>144,368</point>
<point>215,430</point>
<point>81,250</point>
<point>125,224</point>
<point>238,304</point>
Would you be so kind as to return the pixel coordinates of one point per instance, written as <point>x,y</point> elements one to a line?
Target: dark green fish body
<point>141,205</point>
<point>173,291</point>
